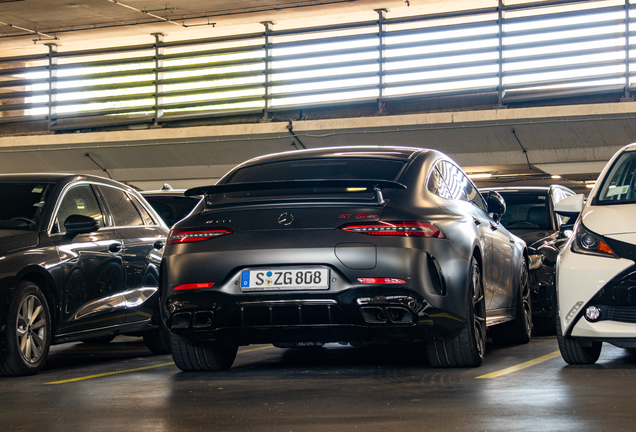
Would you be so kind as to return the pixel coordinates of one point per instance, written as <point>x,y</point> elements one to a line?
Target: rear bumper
<point>357,315</point>
<point>431,300</point>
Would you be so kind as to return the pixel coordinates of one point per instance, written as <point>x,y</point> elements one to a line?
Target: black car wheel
<point>25,344</point>
<point>467,347</point>
<point>519,330</point>
<point>574,353</point>
<point>211,356</point>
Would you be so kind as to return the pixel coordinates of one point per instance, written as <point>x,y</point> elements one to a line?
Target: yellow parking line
<point>138,369</point>
<point>257,349</point>
<point>109,373</point>
<point>521,366</point>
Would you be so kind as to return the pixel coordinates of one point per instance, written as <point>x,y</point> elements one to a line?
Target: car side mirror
<point>496,205</point>
<point>80,224</point>
<point>570,207</point>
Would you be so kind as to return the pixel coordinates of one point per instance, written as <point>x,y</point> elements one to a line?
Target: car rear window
<point>327,169</point>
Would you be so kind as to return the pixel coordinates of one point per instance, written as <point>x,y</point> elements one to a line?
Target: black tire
<point>467,347</point>
<point>519,330</point>
<point>158,342</point>
<point>99,340</point>
<point>573,352</point>
<point>212,356</point>
<point>546,326</point>
<point>26,341</point>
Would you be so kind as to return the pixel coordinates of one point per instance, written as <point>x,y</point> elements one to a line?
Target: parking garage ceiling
<point>514,145</point>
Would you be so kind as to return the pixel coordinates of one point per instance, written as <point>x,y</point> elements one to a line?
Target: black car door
<point>143,241</point>
<point>91,266</point>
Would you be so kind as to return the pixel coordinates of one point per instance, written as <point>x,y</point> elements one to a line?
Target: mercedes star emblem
<point>286,218</point>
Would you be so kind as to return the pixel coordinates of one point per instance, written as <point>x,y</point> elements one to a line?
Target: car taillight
<point>381,281</point>
<point>186,236</point>
<point>405,229</point>
<point>194,286</point>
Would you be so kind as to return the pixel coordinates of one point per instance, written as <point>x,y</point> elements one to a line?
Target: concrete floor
<point>122,387</point>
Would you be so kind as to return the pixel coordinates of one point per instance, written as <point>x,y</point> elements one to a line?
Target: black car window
<point>170,208</point>
<point>144,213</point>
<point>526,211</point>
<point>78,200</point>
<point>123,211</point>
<point>26,202</point>
<point>323,168</point>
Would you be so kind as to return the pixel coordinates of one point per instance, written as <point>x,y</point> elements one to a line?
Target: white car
<point>596,270</point>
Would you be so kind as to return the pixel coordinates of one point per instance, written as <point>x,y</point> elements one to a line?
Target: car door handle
<point>476,221</point>
<point>158,244</point>
<point>114,247</point>
<point>493,226</point>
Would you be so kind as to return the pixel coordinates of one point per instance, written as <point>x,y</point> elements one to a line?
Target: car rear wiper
<point>375,185</point>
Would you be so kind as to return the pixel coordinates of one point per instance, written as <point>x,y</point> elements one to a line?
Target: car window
<point>123,211</point>
<point>170,208</point>
<point>619,185</point>
<point>144,213</point>
<point>526,211</point>
<point>327,168</point>
<point>472,193</point>
<point>26,201</point>
<point>436,183</point>
<point>78,200</point>
<point>454,179</point>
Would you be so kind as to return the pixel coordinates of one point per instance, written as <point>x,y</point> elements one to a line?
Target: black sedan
<point>530,215</point>
<point>171,205</point>
<point>79,260</point>
<point>350,245</point>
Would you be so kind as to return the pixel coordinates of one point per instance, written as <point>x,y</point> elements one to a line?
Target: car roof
<point>525,189</point>
<point>59,178</point>
<point>392,152</point>
<point>533,189</point>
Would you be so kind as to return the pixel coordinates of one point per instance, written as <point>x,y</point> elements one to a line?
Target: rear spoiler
<point>375,185</point>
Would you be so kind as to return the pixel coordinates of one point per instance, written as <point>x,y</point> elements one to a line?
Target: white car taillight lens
<point>404,229</point>
<point>187,236</point>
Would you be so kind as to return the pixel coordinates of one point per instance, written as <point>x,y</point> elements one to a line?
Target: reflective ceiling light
<point>556,176</point>
<point>479,175</point>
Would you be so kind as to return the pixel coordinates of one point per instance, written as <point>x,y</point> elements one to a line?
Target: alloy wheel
<point>479,311</point>
<point>31,329</point>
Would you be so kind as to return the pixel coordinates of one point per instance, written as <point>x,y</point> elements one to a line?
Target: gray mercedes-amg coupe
<point>350,245</point>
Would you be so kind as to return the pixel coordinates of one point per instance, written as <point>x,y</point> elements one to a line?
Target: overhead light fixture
<point>479,175</point>
<point>556,176</point>
<point>590,186</point>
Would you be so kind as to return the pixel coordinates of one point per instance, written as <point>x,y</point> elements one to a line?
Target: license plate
<point>285,279</point>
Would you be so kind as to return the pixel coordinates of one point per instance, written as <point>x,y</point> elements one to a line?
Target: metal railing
<point>531,52</point>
